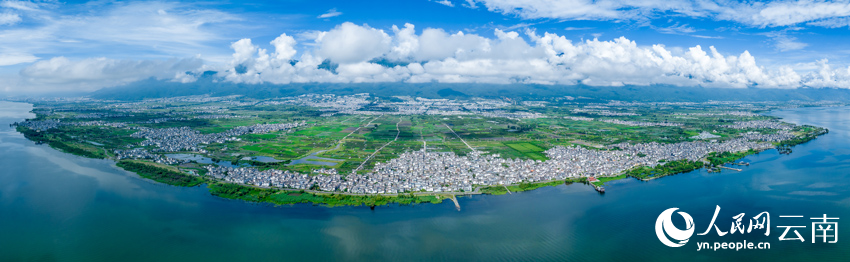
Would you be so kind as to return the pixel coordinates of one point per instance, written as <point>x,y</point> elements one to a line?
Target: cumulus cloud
<point>759,14</point>
<point>350,43</point>
<point>351,53</point>
<point>364,54</point>
<point>826,76</point>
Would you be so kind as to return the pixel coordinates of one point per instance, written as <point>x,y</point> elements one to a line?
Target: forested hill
<point>208,85</point>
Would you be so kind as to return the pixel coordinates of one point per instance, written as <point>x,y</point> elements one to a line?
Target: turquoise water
<point>59,207</point>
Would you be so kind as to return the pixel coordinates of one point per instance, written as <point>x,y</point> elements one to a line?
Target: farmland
<point>317,143</point>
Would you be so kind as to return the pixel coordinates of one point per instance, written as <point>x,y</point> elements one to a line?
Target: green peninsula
<point>339,150</point>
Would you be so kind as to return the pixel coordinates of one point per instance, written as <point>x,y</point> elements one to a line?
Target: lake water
<point>59,207</point>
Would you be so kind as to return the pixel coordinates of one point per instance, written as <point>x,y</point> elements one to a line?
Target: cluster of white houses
<point>426,171</point>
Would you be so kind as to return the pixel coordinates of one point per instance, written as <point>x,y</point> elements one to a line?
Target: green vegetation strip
<point>55,141</point>
<point>159,174</point>
<point>605,179</point>
<point>669,168</point>
<point>726,157</point>
<point>281,197</point>
<point>500,190</point>
<point>809,133</point>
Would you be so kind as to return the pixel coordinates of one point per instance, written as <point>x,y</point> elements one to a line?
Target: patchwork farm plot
<point>319,142</point>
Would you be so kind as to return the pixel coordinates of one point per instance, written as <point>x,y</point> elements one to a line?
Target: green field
<point>528,149</point>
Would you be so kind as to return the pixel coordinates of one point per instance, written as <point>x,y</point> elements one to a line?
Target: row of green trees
<point>56,142</point>
<point>813,132</point>
<point>501,190</point>
<point>717,159</point>
<point>280,197</point>
<point>669,168</point>
<point>159,174</point>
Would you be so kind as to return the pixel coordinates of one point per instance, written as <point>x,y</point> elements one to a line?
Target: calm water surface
<point>59,207</point>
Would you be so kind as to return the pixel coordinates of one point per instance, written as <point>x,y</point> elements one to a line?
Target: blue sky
<point>48,46</point>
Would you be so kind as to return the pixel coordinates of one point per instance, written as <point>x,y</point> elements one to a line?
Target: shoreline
<point>281,196</point>
<point>269,195</point>
<point>251,193</point>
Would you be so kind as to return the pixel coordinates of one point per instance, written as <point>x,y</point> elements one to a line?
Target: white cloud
<point>783,42</point>
<point>759,14</point>
<point>20,5</point>
<point>9,18</point>
<point>707,36</point>
<point>795,12</point>
<point>684,29</point>
<point>825,76</point>
<point>570,28</point>
<point>435,55</point>
<point>438,56</point>
<point>788,43</point>
<point>832,22</point>
<point>284,47</point>
<point>446,3</point>
<point>244,51</point>
<point>330,13</point>
<point>676,29</point>
<point>60,73</point>
<point>405,43</point>
<point>350,43</point>
<point>171,27</point>
<point>137,29</point>
<point>584,9</point>
<point>276,68</point>
<point>14,59</point>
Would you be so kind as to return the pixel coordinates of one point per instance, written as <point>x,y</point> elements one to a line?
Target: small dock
<point>506,188</point>
<point>599,188</point>
<point>454,199</point>
<point>731,168</point>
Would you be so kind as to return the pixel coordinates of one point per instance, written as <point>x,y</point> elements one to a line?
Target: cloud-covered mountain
<point>210,83</point>
<point>352,53</point>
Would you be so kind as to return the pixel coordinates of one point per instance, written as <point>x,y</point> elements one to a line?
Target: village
<point>416,170</point>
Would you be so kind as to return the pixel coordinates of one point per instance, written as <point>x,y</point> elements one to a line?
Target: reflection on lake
<point>265,159</point>
<point>202,159</point>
